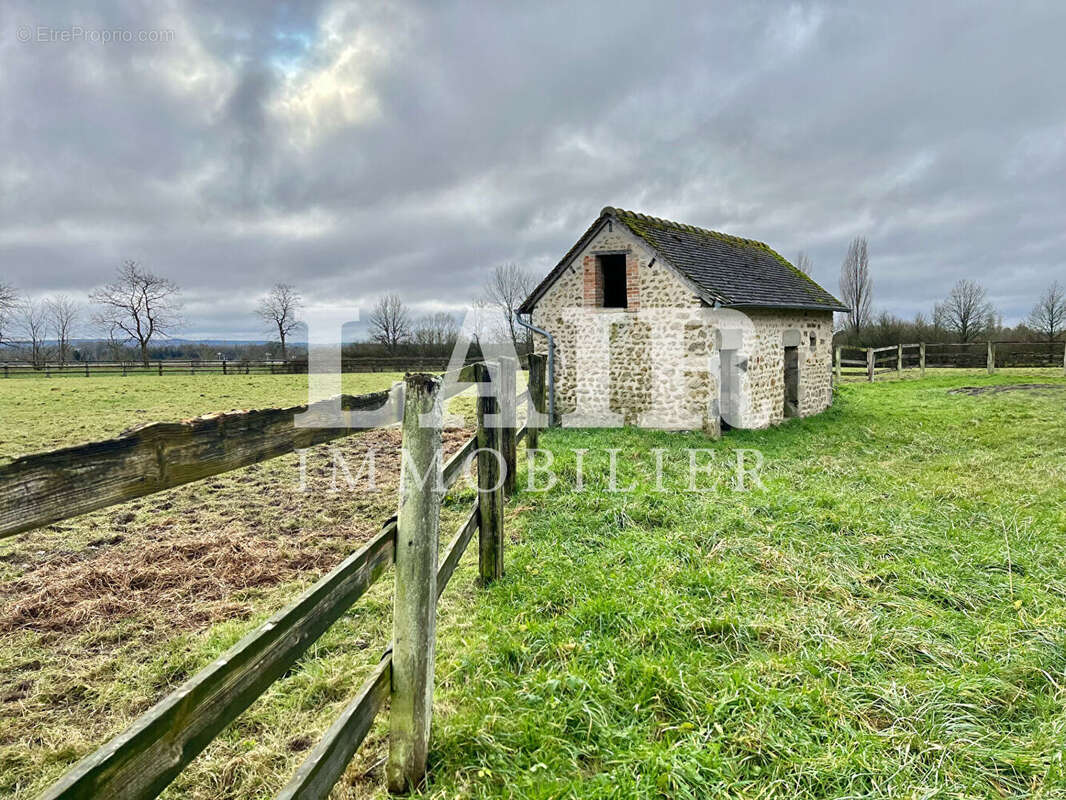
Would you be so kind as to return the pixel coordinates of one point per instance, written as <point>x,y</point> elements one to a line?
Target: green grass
<point>885,619</point>
<point>44,413</point>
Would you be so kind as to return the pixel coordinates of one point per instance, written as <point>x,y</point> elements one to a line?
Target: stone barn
<point>661,324</point>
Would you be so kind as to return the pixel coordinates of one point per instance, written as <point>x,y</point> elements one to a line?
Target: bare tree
<point>803,262</point>
<point>436,333</point>
<point>1049,315</point>
<point>476,320</point>
<point>140,304</point>
<point>390,322</point>
<point>116,347</point>
<point>279,308</point>
<point>9,301</point>
<point>63,313</point>
<point>923,331</point>
<point>33,324</point>
<point>506,289</point>
<point>966,311</point>
<point>856,285</point>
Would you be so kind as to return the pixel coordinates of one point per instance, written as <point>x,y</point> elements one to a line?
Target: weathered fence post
<point>223,366</point>
<point>870,364</point>
<point>537,385</point>
<point>921,357</point>
<point>414,621</point>
<point>991,358</point>
<point>899,361</point>
<point>5,371</point>
<point>1064,362</point>
<point>508,411</point>
<point>836,361</point>
<point>490,463</point>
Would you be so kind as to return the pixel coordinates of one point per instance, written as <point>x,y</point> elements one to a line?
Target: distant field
<point>45,413</point>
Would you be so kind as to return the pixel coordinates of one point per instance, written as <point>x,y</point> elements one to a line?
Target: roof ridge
<point>713,261</point>
<point>684,226</point>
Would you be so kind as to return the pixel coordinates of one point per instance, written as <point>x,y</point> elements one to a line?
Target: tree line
<point>136,313</point>
<point>964,315</point>
<point>138,309</point>
<point>394,328</point>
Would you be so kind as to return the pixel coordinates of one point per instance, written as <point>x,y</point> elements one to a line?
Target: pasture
<point>885,618</point>
<point>45,413</point>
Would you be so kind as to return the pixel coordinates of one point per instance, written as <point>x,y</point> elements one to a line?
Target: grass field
<point>884,619</point>
<point>44,413</point>
<point>102,614</point>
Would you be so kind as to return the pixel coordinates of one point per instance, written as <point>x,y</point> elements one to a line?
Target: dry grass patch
<point>102,615</point>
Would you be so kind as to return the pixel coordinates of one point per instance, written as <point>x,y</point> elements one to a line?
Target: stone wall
<point>660,367</point>
<point>764,345</point>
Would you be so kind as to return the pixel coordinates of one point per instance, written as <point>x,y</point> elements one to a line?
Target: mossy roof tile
<point>731,270</point>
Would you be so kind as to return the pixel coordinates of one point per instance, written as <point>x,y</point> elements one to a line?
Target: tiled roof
<point>731,271</point>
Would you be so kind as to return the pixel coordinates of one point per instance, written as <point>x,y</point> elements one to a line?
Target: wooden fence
<point>141,761</point>
<point>869,362</point>
<point>24,369</point>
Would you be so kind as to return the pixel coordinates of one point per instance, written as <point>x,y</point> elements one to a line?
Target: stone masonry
<point>658,362</point>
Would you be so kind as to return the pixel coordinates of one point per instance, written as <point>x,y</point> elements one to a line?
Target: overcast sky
<point>358,148</point>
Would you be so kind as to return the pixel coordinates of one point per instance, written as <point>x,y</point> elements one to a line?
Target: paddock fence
<point>160,367</point>
<point>40,489</point>
<point>869,362</point>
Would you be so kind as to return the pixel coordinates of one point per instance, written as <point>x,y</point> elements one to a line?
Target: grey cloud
<point>355,148</point>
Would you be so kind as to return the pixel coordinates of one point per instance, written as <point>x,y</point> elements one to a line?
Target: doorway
<point>791,382</point>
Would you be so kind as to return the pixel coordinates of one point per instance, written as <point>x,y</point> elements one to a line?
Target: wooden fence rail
<point>141,761</point>
<point>42,488</point>
<point>160,367</point>
<point>988,355</point>
<point>149,754</point>
<point>326,763</point>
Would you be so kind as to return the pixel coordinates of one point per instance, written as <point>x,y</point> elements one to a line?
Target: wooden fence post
<point>5,371</point>
<point>899,361</point>
<point>836,361</point>
<point>414,621</point>
<point>537,385</point>
<point>490,462</point>
<point>991,358</point>
<point>1064,362</point>
<point>870,364</point>
<point>508,433</point>
<point>223,366</point>
<point>921,357</point>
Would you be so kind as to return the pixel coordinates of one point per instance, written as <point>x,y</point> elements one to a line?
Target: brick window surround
<point>592,276</point>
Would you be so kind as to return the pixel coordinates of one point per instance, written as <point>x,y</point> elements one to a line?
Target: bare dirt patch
<point>188,579</point>
<point>974,391</point>
<point>195,556</point>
